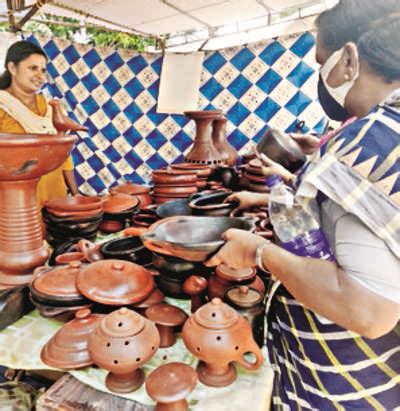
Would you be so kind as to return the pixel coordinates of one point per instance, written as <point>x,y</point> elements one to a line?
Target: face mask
<point>333,99</point>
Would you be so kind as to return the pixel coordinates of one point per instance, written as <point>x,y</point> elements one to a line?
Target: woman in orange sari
<point>23,110</point>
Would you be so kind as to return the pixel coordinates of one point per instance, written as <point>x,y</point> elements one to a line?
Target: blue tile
<point>114,61</point>
<point>97,183</point>
<point>110,132</point>
<point>132,136</point>
<point>239,86</point>
<point>51,70</point>
<point>71,55</point>
<point>133,159</point>
<point>90,81</point>
<point>156,118</point>
<point>320,127</point>
<point>111,85</point>
<point>113,170</point>
<point>134,87</point>
<point>156,139</point>
<point>272,52</point>
<point>259,135</point>
<point>238,139</point>
<point>156,162</point>
<point>242,59</point>
<point>95,163</point>
<point>303,44</point>
<point>298,103</point>
<point>70,78</point>
<point>238,113</point>
<point>181,141</point>
<point>132,112</point>
<point>214,62</point>
<point>267,109</point>
<point>111,109</point>
<point>157,65</point>
<point>153,89</point>
<point>90,105</point>
<point>71,99</point>
<point>300,74</point>
<point>91,58</point>
<point>137,64</point>
<point>92,128</point>
<point>269,81</point>
<point>51,50</point>
<point>112,154</point>
<point>211,89</point>
<point>182,120</point>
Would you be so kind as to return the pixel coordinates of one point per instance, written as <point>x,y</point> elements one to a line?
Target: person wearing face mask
<point>23,110</point>
<point>333,333</point>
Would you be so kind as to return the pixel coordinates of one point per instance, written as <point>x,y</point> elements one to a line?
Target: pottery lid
<point>59,281</point>
<point>230,274</point>
<point>165,314</point>
<point>68,348</point>
<point>131,189</point>
<point>122,323</point>
<point>118,202</point>
<point>243,297</point>
<point>171,382</point>
<point>154,298</point>
<point>115,282</point>
<point>216,315</point>
<point>76,203</point>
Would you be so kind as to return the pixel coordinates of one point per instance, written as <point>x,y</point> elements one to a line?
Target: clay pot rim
<point>131,189</point>
<point>30,139</point>
<point>120,203</point>
<point>74,203</point>
<point>216,206</point>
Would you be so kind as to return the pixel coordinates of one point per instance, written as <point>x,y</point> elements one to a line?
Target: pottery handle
<point>252,366</point>
<point>148,240</point>
<point>134,231</point>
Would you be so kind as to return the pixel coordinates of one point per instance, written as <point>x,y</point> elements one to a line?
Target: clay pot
<point>166,317</point>
<point>203,171</point>
<point>174,177</point>
<point>66,258</point>
<point>213,205</point>
<point>170,384</point>
<point>119,202</point>
<point>139,191</point>
<point>61,121</point>
<point>171,191</point>
<point>228,153</point>
<point>175,207</point>
<point>115,282</point>
<point>218,336</point>
<point>195,286</point>
<point>68,348</point>
<point>90,250</point>
<point>203,150</point>
<point>156,297</point>
<point>144,220</point>
<point>76,203</point>
<point>111,226</point>
<point>121,343</point>
<point>226,277</point>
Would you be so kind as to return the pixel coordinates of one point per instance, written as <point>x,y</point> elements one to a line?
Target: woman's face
<point>29,74</point>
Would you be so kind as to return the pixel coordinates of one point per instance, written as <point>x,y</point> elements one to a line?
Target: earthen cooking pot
<point>218,336</point>
<point>140,191</point>
<point>170,176</point>
<point>213,204</point>
<point>76,203</point>
<point>121,343</point>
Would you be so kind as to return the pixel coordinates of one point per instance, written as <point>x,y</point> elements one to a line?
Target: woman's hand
<point>239,251</point>
<point>309,144</point>
<point>247,199</point>
<point>270,167</point>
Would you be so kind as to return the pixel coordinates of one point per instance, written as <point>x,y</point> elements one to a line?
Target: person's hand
<point>247,199</point>
<point>239,251</point>
<point>307,143</point>
<point>270,167</point>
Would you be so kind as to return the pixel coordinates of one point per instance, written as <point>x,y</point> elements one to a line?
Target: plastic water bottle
<point>298,231</point>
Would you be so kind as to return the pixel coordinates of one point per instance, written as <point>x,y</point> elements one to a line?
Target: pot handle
<point>254,349</point>
<point>152,244</point>
<point>134,231</point>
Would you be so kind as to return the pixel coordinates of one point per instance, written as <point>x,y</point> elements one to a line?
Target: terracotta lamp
<point>24,158</point>
<point>167,318</point>
<point>62,122</point>
<point>121,343</point>
<point>195,286</point>
<point>170,384</point>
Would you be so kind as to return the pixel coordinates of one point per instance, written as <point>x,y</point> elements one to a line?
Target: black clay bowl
<point>212,205</point>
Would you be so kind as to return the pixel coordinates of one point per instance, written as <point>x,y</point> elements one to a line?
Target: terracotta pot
<point>139,191</point>
<point>170,384</point>
<point>115,282</point>
<point>202,170</point>
<point>24,158</point>
<point>66,258</point>
<point>228,153</point>
<point>111,226</point>
<point>174,190</point>
<point>61,121</point>
<point>119,202</point>
<point>76,203</point>
<point>195,286</point>
<point>173,177</point>
<point>76,215</point>
<point>218,336</point>
<point>144,220</point>
<point>68,348</point>
<point>203,150</point>
<point>247,157</point>
<point>175,207</point>
<point>166,317</point>
<point>121,343</point>
<point>213,205</point>
<point>90,250</point>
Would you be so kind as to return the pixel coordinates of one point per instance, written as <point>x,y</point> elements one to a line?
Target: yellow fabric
<point>51,185</point>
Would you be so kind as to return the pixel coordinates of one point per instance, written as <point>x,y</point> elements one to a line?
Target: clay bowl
<point>127,249</point>
<point>118,203</point>
<point>76,203</point>
<point>203,171</point>
<point>191,238</point>
<point>69,220</point>
<point>179,207</point>
<point>144,220</point>
<point>174,190</point>
<point>280,147</point>
<point>111,226</point>
<point>213,205</point>
<point>66,258</point>
<point>139,191</point>
<point>174,177</point>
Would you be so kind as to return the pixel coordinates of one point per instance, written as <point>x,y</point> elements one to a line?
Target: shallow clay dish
<point>76,203</point>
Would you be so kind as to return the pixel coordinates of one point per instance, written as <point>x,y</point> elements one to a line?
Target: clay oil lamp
<point>226,277</point>
<point>115,282</point>
<point>218,336</point>
<point>170,384</point>
<point>61,121</point>
<point>121,343</point>
<point>195,286</point>
<point>248,302</point>
<point>141,192</point>
<point>213,204</point>
<point>68,348</point>
<point>156,297</point>
<point>66,258</point>
<point>166,317</point>
<point>228,153</point>
<point>90,250</point>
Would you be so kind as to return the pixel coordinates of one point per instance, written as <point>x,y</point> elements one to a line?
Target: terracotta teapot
<point>121,343</point>
<point>219,336</point>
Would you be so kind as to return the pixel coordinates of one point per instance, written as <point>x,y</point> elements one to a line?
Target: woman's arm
<point>70,181</point>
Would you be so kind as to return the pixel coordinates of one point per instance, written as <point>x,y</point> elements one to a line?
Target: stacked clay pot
<point>255,180</point>
<point>171,184</point>
<point>141,192</point>
<point>72,218</point>
<point>203,172</point>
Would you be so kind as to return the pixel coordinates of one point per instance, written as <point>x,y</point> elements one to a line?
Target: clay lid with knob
<point>195,284</point>
<point>119,202</point>
<point>122,323</point>
<point>171,382</point>
<point>216,315</point>
<point>166,314</point>
<point>230,274</point>
<point>68,348</point>
<point>243,296</point>
<point>115,282</point>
